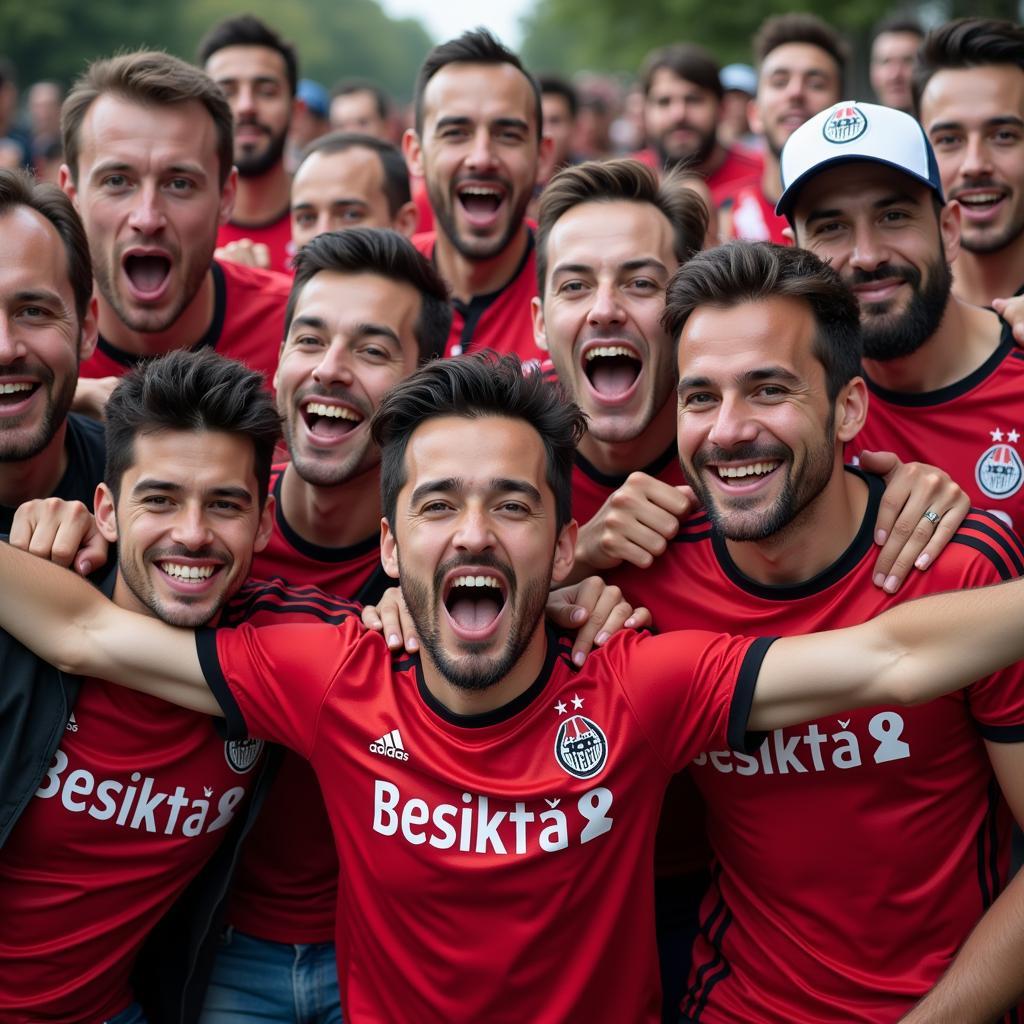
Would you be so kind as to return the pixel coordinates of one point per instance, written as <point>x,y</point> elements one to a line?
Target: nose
<point>244,99</point>
<point>481,154</point>
<point>606,307</point>
<point>190,528</point>
<point>733,423</point>
<point>868,252</point>
<point>10,344</point>
<point>473,532</point>
<point>147,215</point>
<point>334,366</point>
<point>976,162</point>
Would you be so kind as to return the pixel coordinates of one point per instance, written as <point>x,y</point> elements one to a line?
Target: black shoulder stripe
<point>1003,536</point>
<point>1001,733</point>
<point>1017,354</point>
<point>691,538</point>
<point>982,546</point>
<point>331,616</point>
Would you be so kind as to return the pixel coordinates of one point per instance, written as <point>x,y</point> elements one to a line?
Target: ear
<point>90,330</point>
<point>790,234</point>
<point>539,333</point>
<point>105,511</point>
<point>565,552</point>
<point>388,550</point>
<point>851,409</point>
<point>405,221</point>
<point>227,197</point>
<point>949,229</point>
<point>266,525</point>
<point>754,117</point>
<point>546,153</point>
<point>67,184</point>
<point>412,150</point>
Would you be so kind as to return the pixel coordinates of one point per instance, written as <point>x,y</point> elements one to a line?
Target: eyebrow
<point>459,120</point>
<point>750,377</point>
<point>40,295</point>
<point>941,126</point>
<point>881,204</point>
<point>168,487</point>
<point>638,264</point>
<point>359,330</point>
<point>108,166</point>
<point>455,483</point>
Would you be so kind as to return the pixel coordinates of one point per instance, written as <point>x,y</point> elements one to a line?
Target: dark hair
<point>149,78</point>
<point>348,86</point>
<point>801,28</point>
<point>476,47</point>
<point>604,182</point>
<point>396,174</point>
<point>190,391</point>
<point>898,23</point>
<point>967,43</point>
<point>754,271</point>
<point>556,85</point>
<point>685,60</point>
<point>386,253</point>
<point>474,386</point>
<point>19,188</point>
<point>248,30</point>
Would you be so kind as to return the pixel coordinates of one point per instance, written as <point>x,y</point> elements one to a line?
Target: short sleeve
<point>690,690</point>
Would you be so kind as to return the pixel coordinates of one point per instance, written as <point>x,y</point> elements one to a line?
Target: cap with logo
<point>852,131</point>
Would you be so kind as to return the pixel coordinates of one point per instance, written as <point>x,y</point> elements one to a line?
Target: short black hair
<point>800,27</point>
<point>556,85</point>
<point>248,30</point>
<point>967,43</point>
<point>474,386</point>
<point>19,188</point>
<point>389,254</point>
<point>476,47</point>
<point>739,272</point>
<point>348,86</point>
<point>190,391</point>
<point>688,61</point>
<point>898,23</point>
<point>396,174</point>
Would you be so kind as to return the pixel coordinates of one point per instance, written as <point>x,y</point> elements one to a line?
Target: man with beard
<point>947,382</point>
<point>538,782</point>
<point>49,318</point>
<point>148,151</point>
<point>477,143</point>
<point>258,72</point>
<point>816,914</point>
<point>801,63</point>
<point>682,101</point>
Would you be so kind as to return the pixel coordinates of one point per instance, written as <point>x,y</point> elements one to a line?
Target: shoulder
<point>270,602</point>
<point>88,431</point>
<point>239,278</point>
<point>983,541</point>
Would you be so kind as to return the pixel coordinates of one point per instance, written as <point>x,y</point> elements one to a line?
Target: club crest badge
<point>580,747</point>
<point>241,755</point>
<point>844,124</point>
<point>999,472</point>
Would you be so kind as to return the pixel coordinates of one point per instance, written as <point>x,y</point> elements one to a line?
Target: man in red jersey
<point>682,102</point>
<point>801,62</point>
<point>815,914</point>
<point>541,782</point>
<point>477,142</point>
<point>258,73</point>
<point>863,191</point>
<point>152,177</point>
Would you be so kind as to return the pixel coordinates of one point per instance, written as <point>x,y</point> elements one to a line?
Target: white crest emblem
<point>844,124</point>
<point>241,755</point>
<point>999,472</point>
<point>581,747</point>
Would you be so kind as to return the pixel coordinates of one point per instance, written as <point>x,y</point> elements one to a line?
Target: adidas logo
<point>72,725</point>
<point>390,745</point>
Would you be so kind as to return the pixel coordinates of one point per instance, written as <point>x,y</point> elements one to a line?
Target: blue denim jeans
<point>130,1015</point>
<point>257,980</point>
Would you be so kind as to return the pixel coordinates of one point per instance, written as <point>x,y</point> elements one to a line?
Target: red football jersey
<point>753,217</point>
<point>493,866</point>
<point>247,325</point>
<point>276,235</point>
<point>740,165</point>
<point>969,429</point>
<point>500,321</point>
<point>852,854</point>
<point>285,888</point>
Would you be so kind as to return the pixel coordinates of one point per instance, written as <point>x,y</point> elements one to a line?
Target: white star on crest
<point>561,708</point>
<point>577,701</point>
<point>1013,437</point>
<point>996,435</point>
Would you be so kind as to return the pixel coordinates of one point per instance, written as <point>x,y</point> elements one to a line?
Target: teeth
<point>187,572</point>
<point>10,389</point>
<point>335,412</point>
<point>981,197</point>
<point>755,469</point>
<point>479,191</point>
<point>607,351</point>
<point>477,581</point>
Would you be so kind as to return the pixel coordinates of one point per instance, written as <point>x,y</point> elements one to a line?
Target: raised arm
<point>907,655</point>
<point>70,624</point>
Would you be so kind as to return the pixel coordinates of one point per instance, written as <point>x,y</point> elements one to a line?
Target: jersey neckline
<point>615,481</point>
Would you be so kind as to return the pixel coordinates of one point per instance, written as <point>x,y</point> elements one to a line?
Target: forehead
<point>721,343</point>
<point>476,451</point>
<point>352,104</point>
<point>895,44</point>
<point>856,185</point>
<point>128,133</point>
<point>665,80</point>
<point>353,173</point>
<point>610,233</point>
<point>798,58</point>
<point>32,255</point>
<point>238,63</point>
<point>345,299</point>
<point>480,92</point>
<point>966,95</point>
<point>193,459</point>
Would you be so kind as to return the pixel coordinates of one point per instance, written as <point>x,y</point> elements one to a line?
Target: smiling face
<point>878,228</point>
<point>351,340</point>
<point>608,266</point>
<point>149,195</point>
<point>475,544</point>
<point>680,119</point>
<point>892,68</point>
<point>974,118</point>
<point>186,523</point>
<point>756,430</point>
<point>478,153</point>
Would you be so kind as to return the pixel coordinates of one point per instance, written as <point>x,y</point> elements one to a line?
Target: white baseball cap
<point>852,131</point>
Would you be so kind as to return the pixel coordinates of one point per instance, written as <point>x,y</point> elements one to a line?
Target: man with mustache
<point>258,72</point>
<point>862,190</point>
